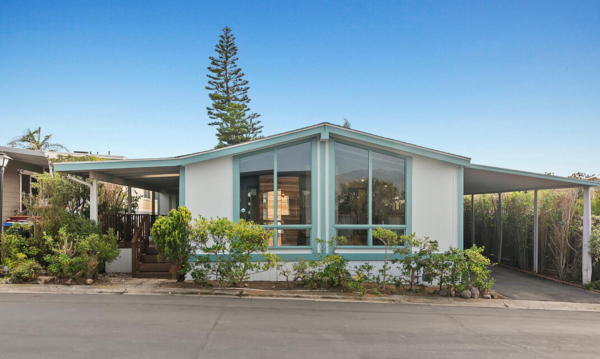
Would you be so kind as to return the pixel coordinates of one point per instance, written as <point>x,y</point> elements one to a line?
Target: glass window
<point>256,188</point>
<point>294,185</point>
<point>279,200</point>
<point>351,185</point>
<point>388,189</point>
<point>399,232</point>
<point>369,192</point>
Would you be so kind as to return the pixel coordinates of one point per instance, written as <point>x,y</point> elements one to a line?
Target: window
<point>370,192</point>
<point>276,192</point>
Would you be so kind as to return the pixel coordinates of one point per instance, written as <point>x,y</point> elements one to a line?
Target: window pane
<point>294,184</point>
<point>293,237</point>
<point>351,185</point>
<point>355,237</point>
<point>377,242</point>
<point>256,188</point>
<point>388,189</point>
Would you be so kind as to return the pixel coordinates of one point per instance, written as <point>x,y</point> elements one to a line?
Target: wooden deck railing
<point>139,243</point>
<point>124,226</point>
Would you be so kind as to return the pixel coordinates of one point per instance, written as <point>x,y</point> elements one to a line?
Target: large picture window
<point>276,192</point>
<point>370,192</point>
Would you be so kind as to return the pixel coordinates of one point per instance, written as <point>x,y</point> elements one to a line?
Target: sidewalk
<point>152,287</point>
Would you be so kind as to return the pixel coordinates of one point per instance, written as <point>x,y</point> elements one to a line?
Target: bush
<point>330,270</point>
<point>171,236</point>
<point>25,271</point>
<point>458,269</point>
<point>594,244</point>
<point>229,248</point>
<point>389,240</point>
<point>295,274</point>
<point>415,256</point>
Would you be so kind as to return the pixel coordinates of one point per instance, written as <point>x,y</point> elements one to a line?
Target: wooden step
<point>150,250</point>
<point>159,275</point>
<point>149,258</point>
<point>154,267</point>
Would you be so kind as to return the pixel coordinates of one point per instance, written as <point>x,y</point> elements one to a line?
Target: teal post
<point>460,208</point>
<point>182,186</point>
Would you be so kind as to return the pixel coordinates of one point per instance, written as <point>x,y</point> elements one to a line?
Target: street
<point>129,326</point>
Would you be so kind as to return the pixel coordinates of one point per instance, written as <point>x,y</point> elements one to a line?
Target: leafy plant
<point>389,240</point>
<point>171,237</point>
<point>229,248</point>
<point>25,271</point>
<point>295,273</point>
<point>330,269</point>
<point>594,244</point>
<point>414,257</point>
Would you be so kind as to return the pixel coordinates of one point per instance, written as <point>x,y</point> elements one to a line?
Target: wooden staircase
<point>144,257</point>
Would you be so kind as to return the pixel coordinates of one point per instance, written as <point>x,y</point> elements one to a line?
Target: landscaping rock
<point>487,296</point>
<point>452,293</point>
<point>474,292</point>
<point>68,282</point>
<point>465,294</point>
<point>89,281</point>
<point>45,279</point>
<point>443,292</point>
<point>7,281</point>
<point>246,285</point>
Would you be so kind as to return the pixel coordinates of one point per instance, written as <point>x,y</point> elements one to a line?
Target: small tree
<point>171,236</point>
<point>229,96</point>
<point>390,240</point>
<point>414,256</point>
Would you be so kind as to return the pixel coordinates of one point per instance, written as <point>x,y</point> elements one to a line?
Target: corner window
<point>276,192</point>
<point>370,191</point>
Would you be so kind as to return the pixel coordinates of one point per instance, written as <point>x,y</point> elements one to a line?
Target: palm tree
<point>31,140</point>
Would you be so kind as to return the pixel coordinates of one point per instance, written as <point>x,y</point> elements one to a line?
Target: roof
<point>37,158</point>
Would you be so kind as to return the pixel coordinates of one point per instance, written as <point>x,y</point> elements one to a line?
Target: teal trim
<point>407,227</point>
<point>311,256</point>
<point>535,175</point>
<point>182,186</point>
<point>460,182</point>
<point>275,200</point>
<point>322,192</point>
<point>116,164</point>
<point>314,196</point>
<point>236,189</point>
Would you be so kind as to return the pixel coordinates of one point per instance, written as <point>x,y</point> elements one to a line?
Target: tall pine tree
<point>229,96</point>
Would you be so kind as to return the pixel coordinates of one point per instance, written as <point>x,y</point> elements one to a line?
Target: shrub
<point>25,271</point>
<point>296,273</point>
<point>229,248</point>
<point>389,240</point>
<point>594,244</point>
<point>415,256</point>
<point>458,269</point>
<point>477,269</point>
<point>171,236</point>
<point>330,270</point>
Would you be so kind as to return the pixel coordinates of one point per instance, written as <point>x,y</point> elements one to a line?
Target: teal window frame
<point>333,227</point>
<point>313,182</point>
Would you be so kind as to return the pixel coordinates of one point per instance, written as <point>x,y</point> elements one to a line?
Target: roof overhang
<point>485,179</point>
<point>37,158</point>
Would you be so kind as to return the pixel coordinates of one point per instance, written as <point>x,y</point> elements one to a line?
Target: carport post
<point>499,228</point>
<point>94,201</point>
<point>587,231</point>
<point>536,231</point>
<point>472,220</point>
<point>128,199</point>
<point>153,204</point>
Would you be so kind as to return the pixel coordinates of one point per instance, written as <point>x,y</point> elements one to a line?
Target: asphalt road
<point>117,326</point>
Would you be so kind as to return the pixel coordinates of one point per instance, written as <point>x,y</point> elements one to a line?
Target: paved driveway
<point>519,285</point>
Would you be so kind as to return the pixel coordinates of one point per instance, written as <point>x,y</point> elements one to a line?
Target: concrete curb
<point>302,295</point>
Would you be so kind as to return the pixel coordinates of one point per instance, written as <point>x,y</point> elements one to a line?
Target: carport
<point>480,179</point>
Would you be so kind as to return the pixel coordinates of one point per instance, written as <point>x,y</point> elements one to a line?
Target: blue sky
<point>509,83</point>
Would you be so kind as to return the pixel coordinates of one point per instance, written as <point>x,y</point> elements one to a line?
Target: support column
<point>536,232</point>
<point>94,201</point>
<point>153,203</point>
<point>1,198</point>
<point>472,220</point>
<point>499,228</point>
<point>587,232</point>
<point>128,199</point>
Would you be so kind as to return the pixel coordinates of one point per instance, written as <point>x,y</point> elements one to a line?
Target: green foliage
<point>389,240</point>
<point>229,248</point>
<point>458,269</point>
<point>80,256</point>
<point>295,274</point>
<point>171,236</point>
<point>16,247</point>
<point>32,140</point>
<point>330,269</point>
<point>25,271</point>
<point>229,96</point>
<point>415,256</point>
<point>478,274</point>
<point>594,244</point>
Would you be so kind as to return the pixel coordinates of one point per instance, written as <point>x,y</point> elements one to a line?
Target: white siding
<point>209,188</point>
<point>434,200</point>
<point>12,197</point>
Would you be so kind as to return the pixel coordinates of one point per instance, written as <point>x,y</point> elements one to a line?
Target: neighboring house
<point>18,175</point>
<point>325,180</point>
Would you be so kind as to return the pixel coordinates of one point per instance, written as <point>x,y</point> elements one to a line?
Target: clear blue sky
<point>509,83</point>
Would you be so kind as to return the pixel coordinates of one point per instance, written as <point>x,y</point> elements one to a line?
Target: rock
<point>487,296</point>
<point>465,294</point>
<point>273,287</point>
<point>45,279</point>
<point>443,292</point>
<point>474,292</point>
<point>89,281</point>
<point>495,296</point>
<point>69,281</point>
<point>7,281</point>
<point>452,293</point>
<point>246,285</point>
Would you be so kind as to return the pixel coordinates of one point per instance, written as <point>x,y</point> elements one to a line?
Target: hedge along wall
<point>560,229</point>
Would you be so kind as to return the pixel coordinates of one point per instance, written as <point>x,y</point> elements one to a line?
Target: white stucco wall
<point>209,188</point>
<point>435,200</point>
<point>122,264</point>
